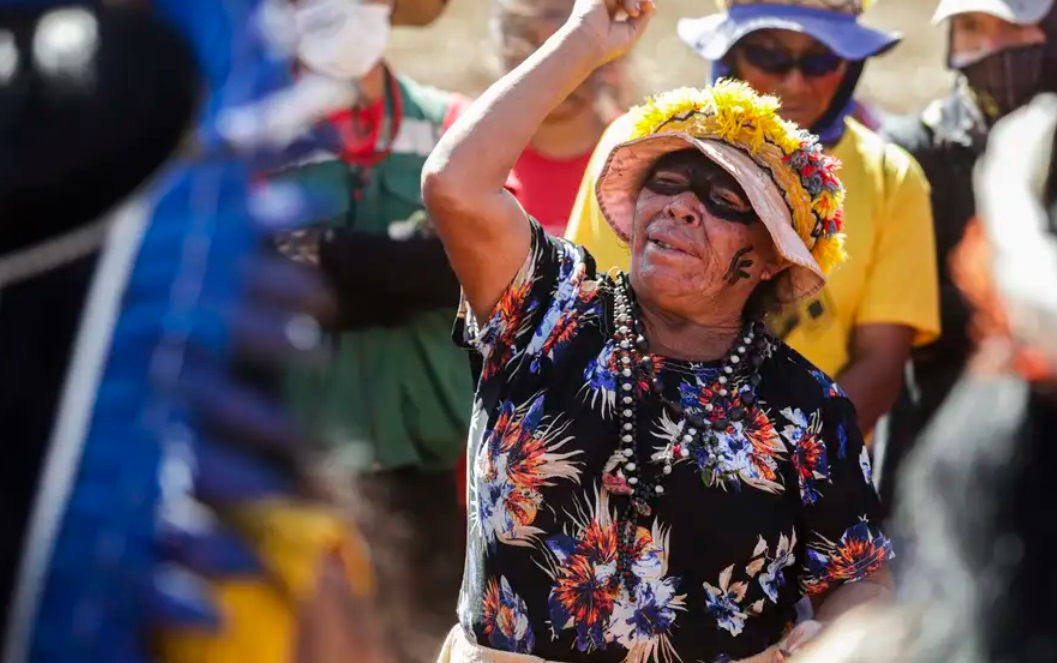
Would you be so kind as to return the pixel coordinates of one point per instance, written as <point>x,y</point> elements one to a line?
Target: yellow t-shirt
<point>890,276</point>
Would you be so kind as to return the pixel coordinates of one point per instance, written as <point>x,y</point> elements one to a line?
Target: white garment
<point>342,39</point>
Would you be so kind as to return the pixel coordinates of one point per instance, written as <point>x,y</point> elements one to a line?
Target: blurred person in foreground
<point>654,476</point>
<point>975,503</point>
<point>159,504</point>
<point>1005,52</point>
<point>395,399</point>
<point>811,54</point>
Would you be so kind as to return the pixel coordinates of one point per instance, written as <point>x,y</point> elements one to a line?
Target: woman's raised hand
<point>611,27</point>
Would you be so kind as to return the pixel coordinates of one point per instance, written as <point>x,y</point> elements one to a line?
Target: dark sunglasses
<point>775,61</point>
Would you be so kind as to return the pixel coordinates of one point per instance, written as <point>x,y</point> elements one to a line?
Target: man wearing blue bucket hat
<point>811,54</point>
<point>841,46</point>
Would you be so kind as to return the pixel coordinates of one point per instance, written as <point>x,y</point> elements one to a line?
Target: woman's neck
<point>705,339</point>
<point>569,137</point>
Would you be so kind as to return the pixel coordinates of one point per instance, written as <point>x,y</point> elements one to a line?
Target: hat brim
<point>629,163</point>
<point>1028,14</point>
<point>713,36</point>
<point>417,13</point>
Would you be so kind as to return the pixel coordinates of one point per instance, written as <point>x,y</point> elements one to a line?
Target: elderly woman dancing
<point>652,477</point>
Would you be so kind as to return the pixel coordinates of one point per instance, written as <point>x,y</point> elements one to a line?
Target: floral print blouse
<point>719,564</point>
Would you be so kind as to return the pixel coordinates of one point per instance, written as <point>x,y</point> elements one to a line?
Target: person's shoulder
<point>621,126</point>
<point>804,381</point>
<point>884,157</point>
<point>877,148</point>
<point>618,131</point>
<point>909,130</point>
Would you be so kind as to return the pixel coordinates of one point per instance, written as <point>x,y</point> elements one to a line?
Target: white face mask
<point>342,39</point>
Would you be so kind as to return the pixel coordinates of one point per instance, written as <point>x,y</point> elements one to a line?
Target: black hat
<point>83,123</point>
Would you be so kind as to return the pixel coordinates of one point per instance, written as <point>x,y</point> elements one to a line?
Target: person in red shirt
<point>546,177</point>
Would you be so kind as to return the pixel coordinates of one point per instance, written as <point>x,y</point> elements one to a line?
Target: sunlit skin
<point>515,48</point>
<point>804,99</point>
<point>682,247</point>
<point>975,35</point>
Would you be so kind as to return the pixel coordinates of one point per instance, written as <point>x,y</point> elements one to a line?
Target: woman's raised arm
<point>484,229</point>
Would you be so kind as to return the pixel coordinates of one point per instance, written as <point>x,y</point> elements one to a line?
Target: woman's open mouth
<point>666,246</point>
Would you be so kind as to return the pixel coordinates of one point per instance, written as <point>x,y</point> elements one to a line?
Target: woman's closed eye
<point>729,200</point>
<point>668,184</point>
<point>730,206</point>
<point>722,201</point>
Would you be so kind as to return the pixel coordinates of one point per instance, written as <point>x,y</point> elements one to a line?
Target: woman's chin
<point>661,281</point>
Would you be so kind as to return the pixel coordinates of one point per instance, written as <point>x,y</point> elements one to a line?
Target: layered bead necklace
<point>698,428</point>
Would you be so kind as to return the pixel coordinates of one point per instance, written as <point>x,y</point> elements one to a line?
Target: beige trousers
<point>458,649</point>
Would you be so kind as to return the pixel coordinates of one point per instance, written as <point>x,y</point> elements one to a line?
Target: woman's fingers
<point>801,634</point>
<point>639,8</point>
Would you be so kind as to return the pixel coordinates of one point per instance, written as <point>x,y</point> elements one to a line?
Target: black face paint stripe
<point>738,264</point>
<point>745,218</point>
<point>703,177</point>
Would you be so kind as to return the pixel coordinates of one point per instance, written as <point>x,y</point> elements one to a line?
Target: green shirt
<point>402,394</point>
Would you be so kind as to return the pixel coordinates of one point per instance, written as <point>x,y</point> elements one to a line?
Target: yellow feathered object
<point>260,614</point>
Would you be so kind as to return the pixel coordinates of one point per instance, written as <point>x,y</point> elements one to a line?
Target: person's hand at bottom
<point>799,636</point>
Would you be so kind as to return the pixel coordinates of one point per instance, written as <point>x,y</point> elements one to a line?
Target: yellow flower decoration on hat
<point>734,113</point>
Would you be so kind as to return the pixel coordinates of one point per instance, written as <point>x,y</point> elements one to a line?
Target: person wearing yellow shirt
<point>883,301</point>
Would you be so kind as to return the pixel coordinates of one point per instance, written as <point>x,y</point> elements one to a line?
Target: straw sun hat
<point>786,175</point>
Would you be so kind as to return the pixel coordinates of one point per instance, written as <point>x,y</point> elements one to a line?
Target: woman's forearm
<point>481,148</point>
<point>485,231</point>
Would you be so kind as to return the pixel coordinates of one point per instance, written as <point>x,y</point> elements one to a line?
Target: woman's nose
<point>685,207</point>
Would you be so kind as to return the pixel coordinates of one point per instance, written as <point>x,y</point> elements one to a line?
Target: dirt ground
<point>453,53</point>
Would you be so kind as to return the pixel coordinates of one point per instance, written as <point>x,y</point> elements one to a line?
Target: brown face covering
<point>1006,80</point>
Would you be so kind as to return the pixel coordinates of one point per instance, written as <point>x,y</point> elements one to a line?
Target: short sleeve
<point>587,227</point>
<point>902,284</point>
<point>555,283</point>
<point>841,511</point>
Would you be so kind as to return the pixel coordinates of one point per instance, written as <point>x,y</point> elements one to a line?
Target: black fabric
<point>70,147</point>
<point>1006,80</point>
<point>1027,516</point>
<point>724,555</point>
<point>39,320</point>
<point>380,281</point>
<point>946,141</point>
<point>979,520</point>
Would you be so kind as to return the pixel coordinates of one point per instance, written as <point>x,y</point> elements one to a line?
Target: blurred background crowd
<point>462,57</point>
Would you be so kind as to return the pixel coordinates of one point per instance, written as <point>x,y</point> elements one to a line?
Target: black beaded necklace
<point>735,385</point>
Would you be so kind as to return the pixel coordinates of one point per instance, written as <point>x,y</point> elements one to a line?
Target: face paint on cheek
<point>738,264</point>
